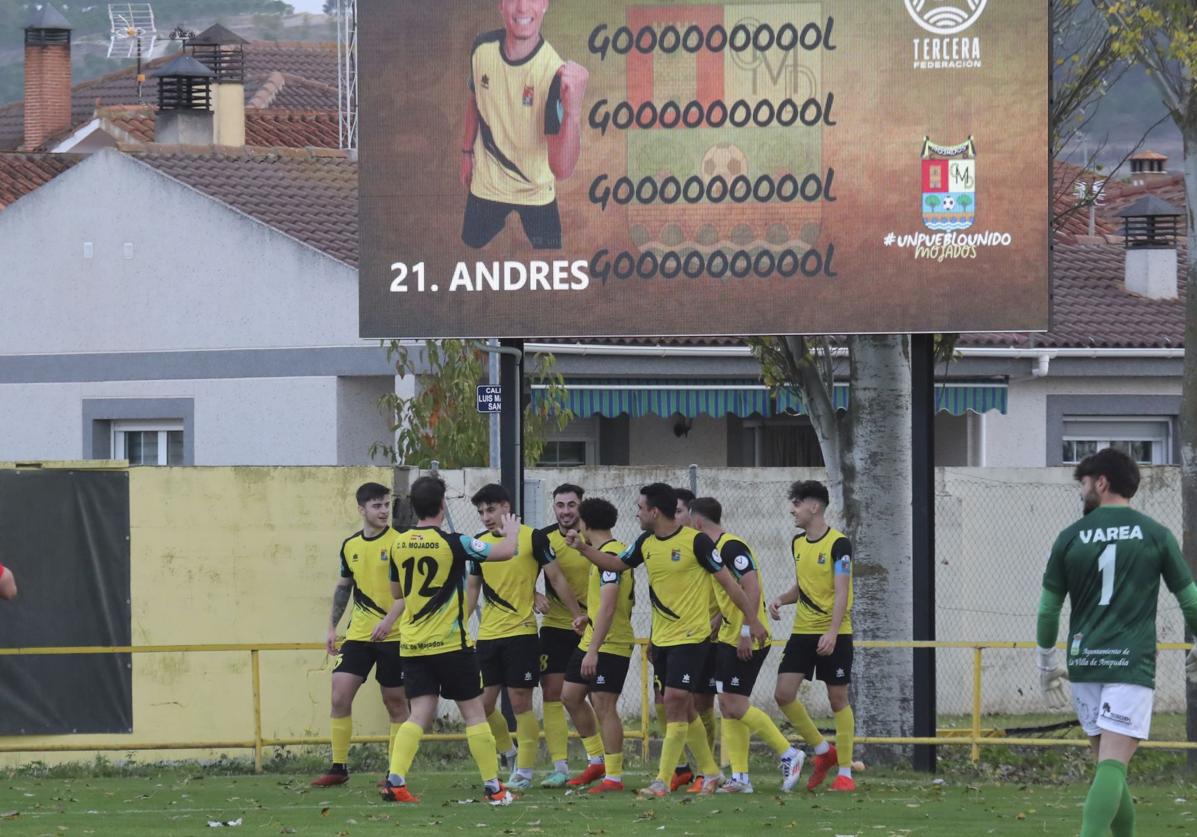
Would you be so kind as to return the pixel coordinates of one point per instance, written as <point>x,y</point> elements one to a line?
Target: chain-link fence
<point>994,528</point>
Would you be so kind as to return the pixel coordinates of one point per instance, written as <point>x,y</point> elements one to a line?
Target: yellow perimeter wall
<point>232,555</point>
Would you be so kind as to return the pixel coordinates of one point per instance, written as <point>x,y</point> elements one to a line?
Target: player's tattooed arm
<point>341,595</point>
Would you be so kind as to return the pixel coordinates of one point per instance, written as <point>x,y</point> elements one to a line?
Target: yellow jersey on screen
<point>817,564</point>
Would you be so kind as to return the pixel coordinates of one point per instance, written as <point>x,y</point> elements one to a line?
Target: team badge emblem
<point>528,96</point>
<point>741,562</point>
<point>949,194</point>
<point>485,82</point>
<point>676,555</point>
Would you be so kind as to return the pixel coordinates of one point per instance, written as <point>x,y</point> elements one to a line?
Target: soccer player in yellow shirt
<point>558,639</point>
<point>738,659</point>
<point>599,665</point>
<point>428,568</point>
<point>365,577</point>
<point>680,562</point>
<point>508,645</point>
<point>821,640</point>
<point>523,128</point>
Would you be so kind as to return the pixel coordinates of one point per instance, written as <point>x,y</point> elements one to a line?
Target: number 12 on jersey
<point>1105,565</point>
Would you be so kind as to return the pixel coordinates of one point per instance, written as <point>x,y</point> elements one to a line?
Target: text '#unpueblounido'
<point>743,37</point>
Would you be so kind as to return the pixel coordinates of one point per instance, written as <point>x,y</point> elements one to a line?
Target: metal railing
<point>975,737</point>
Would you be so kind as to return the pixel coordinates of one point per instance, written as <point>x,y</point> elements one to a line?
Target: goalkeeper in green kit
<point>1109,564</point>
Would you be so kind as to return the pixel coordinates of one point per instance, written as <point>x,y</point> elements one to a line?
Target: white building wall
<point>238,421</point>
<point>170,269</point>
<point>360,422</point>
<point>653,442</point>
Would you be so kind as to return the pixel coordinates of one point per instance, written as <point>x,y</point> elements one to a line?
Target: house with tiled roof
<point>198,304</point>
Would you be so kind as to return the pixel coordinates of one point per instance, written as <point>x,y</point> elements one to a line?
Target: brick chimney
<point>1147,167</point>
<point>47,76</point>
<point>223,52</point>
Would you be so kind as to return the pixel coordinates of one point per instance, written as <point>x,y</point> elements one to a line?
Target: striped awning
<point>638,398</point>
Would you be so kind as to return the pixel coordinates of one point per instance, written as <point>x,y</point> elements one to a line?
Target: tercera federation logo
<point>945,17</point>
<point>949,193</point>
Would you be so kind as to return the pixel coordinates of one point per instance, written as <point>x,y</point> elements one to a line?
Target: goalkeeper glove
<point>1191,664</point>
<point>1052,677</point>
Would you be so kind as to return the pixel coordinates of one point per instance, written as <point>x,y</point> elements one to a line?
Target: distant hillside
<point>252,19</point>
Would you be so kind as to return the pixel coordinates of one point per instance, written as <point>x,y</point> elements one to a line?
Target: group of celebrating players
<point>414,591</point>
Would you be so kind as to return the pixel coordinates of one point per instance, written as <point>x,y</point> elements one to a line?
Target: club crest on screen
<point>949,193</point>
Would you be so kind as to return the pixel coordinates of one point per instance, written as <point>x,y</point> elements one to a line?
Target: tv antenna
<point>133,34</point>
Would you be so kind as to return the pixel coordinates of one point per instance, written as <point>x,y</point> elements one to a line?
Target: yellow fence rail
<point>975,737</point>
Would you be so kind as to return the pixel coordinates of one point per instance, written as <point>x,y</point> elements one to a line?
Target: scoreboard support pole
<point>511,427</point>
<point>922,394</point>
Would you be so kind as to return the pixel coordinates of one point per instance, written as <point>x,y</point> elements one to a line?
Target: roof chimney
<point>223,52</point>
<point>1152,228</point>
<point>184,103</point>
<point>47,76</point>
<point>1147,166</point>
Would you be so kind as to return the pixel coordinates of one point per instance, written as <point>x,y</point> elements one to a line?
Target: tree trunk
<point>876,465</point>
<point>1188,405</point>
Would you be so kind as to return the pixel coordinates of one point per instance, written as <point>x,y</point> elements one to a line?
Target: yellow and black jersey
<point>430,567</point>
<point>679,583</point>
<point>368,562</point>
<point>620,638</point>
<point>738,558</point>
<point>519,106</point>
<point>509,587</point>
<point>817,564</point>
<point>577,574</point>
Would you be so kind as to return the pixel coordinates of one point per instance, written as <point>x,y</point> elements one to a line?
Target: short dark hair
<point>371,491</point>
<point>708,507</point>
<point>662,497</point>
<point>427,497</point>
<point>598,514</point>
<point>809,490</point>
<point>569,488</point>
<point>684,494</point>
<point>491,493</point>
<point>1117,467</point>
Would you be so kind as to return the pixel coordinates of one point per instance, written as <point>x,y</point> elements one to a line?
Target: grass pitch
<point>182,801</point>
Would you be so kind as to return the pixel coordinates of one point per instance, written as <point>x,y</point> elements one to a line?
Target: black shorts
<point>357,658</point>
<point>557,645</point>
<point>680,666</point>
<point>801,657</point>
<point>706,679</point>
<point>610,675</point>
<point>734,676</point>
<point>512,661</point>
<point>453,675</point>
<point>485,219</point>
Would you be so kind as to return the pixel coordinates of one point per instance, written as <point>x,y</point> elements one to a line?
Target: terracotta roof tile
<point>309,194</point>
<point>292,129</point>
<point>20,174</point>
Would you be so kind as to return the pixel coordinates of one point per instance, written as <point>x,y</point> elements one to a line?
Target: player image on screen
<point>428,568</point>
<point>820,643</point>
<point>1109,564</point>
<point>598,665</point>
<point>738,659</point>
<point>364,578</point>
<point>523,129</point>
<point>680,562</point>
<point>558,639</point>
<point>508,645</point>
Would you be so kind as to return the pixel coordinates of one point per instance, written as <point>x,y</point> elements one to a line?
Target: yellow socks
<point>498,728</point>
<point>342,731</point>
<point>696,740</point>
<point>614,764</point>
<point>391,740</point>
<point>407,741</point>
<point>762,726</point>
<point>482,747</point>
<point>735,742</point>
<point>671,748</point>
<point>527,733</point>
<point>707,716</point>
<point>556,733</point>
<point>845,736</point>
<point>594,746</point>
<point>799,717</point>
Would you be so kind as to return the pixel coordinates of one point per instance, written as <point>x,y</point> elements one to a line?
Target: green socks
<point>1108,795</point>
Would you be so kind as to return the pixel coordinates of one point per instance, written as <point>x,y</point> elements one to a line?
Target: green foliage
<point>440,421</point>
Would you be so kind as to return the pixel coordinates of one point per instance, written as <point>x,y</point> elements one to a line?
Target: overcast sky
<point>314,6</point>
